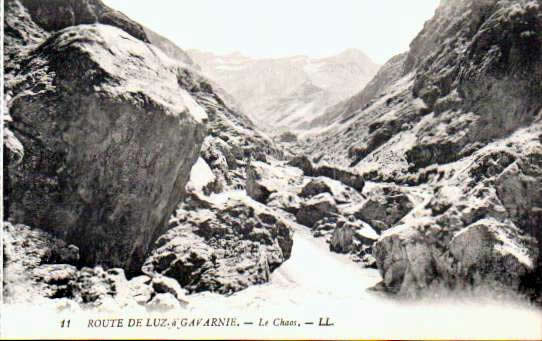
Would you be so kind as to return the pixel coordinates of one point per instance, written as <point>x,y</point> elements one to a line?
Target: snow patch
<point>201,175</point>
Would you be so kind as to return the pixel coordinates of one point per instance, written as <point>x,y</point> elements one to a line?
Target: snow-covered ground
<point>313,284</point>
<point>316,283</point>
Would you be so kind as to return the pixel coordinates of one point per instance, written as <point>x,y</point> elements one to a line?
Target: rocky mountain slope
<point>457,119</point>
<point>287,92</point>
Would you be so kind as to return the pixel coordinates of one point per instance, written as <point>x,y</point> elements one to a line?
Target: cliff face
<point>109,130</point>
<point>459,123</point>
<point>492,67</point>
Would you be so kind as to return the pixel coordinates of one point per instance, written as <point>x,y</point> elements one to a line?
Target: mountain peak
<point>353,53</point>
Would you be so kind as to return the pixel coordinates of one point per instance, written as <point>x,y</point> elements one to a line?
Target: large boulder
<point>347,177</point>
<point>485,254</point>
<point>223,247</point>
<point>385,206</point>
<point>109,136</point>
<point>316,208</point>
<point>341,193</point>
<point>264,179</point>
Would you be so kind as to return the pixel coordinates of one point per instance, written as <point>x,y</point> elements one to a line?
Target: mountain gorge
<point>287,92</point>
<point>133,179</point>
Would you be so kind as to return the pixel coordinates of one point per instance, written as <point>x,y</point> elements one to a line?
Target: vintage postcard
<point>240,169</point>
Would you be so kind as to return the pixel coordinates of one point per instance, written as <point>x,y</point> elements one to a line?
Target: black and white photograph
<point>257,169</point>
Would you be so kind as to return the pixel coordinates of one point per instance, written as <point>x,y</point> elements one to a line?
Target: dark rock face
<point>345,176</point>
<point>384,207</point>
<point>221,249</point>
<point>95,172</point>
<point>318,207</point>
<point>499,81</point>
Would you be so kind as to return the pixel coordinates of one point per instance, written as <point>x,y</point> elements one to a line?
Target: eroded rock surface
<point>470,233</point>
<point>95,171</point>
<point>221,247</point>
<point>383,207</point>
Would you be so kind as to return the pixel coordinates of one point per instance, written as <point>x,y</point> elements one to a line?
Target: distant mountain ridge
<point>290,91</point>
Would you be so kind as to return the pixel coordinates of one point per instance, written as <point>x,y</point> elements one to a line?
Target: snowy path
<point>314,283</point>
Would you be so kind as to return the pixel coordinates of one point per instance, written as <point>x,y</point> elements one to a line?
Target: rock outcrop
<point>223,247</point>
<point>383,207</point>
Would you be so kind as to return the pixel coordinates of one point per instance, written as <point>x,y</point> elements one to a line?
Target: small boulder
<point>352,237</point>
<point>264,179</point>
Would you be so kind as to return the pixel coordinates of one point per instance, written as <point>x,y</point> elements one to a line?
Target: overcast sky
<point>277,28</point>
